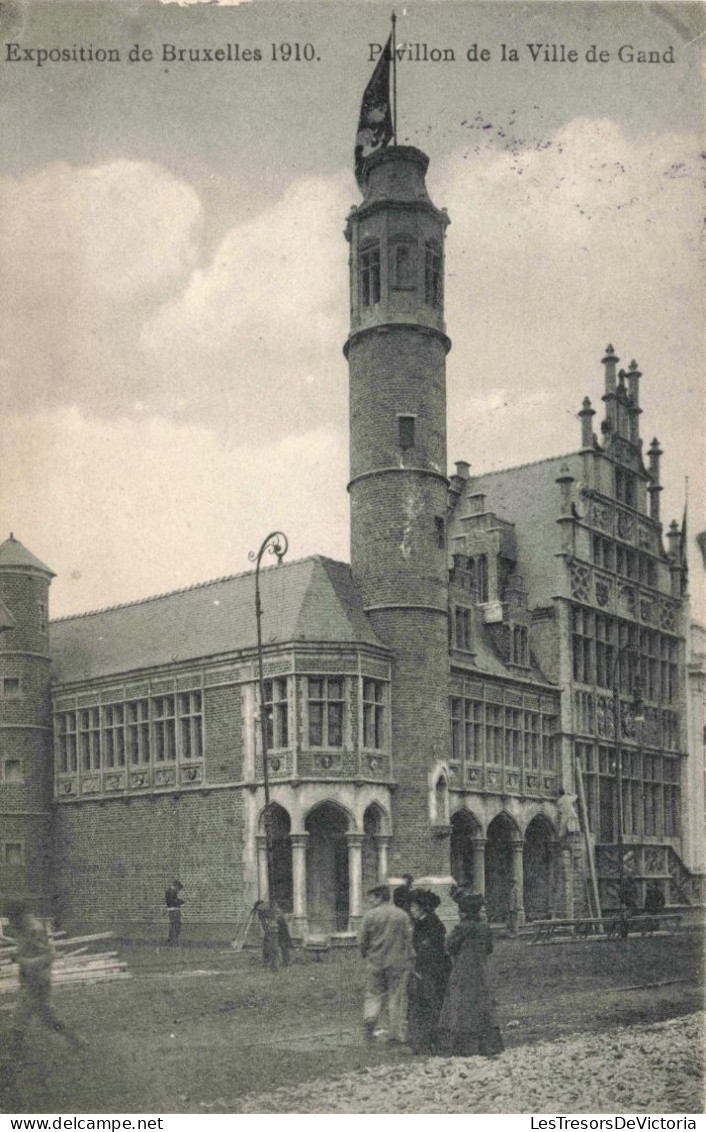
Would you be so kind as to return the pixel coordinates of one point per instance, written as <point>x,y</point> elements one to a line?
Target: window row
<point>605,648</point>
<point>650,793</point>
<point>326,706</point>
<point>403,272</point>
<point>633,564</point>
<point>490,733</point>
<point>660,727</point>
<point>160,729</point>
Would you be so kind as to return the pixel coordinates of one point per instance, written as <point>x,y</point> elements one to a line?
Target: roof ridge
<point>187,589</point>
<point>518,467</point>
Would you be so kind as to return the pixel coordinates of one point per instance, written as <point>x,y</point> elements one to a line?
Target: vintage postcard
<point>352,635</point>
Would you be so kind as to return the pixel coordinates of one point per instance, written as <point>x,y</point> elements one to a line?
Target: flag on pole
<point>375,123</point>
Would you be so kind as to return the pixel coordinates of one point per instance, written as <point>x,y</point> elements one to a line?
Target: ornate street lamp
<point>276,543</point>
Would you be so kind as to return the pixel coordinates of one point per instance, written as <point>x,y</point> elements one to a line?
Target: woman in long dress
<point>468,1024</point>
<point>430,974</point>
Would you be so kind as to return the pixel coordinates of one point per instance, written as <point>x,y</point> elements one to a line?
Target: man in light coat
<point>386,945</point>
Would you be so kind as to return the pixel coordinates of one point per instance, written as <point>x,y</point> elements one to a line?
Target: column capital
<point>261,840</point>
<point>298,839</point>
<point>478,841</point>
<point>517,845</point>
<point>355,839</point>
<point>383,838</point>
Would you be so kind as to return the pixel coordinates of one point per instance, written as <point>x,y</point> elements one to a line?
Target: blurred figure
<point>468,1024</point>
<point>401,894</point>
<point>174,904</point>
<point>654,898</point>
<point>386,944</point>
<point>430,974</point>
<point>34,957</point>
<point>513,910</point>
<point>268,920</point>
<point>284,939</point>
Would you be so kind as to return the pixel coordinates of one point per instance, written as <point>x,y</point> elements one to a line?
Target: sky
<point>173,272</point>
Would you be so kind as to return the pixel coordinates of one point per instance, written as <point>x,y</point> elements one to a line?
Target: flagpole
<point>394,78</point>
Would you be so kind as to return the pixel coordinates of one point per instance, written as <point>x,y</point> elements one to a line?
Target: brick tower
<point>396,353</point>
<point>25,726</point>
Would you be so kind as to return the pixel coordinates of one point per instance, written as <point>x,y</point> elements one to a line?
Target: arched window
<point>369,274</point>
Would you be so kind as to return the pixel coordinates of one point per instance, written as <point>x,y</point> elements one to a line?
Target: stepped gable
<point>14,555</point>
<point>313,599</point>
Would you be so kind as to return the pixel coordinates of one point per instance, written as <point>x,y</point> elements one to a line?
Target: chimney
<point>674,541</point>
<point>586,417</point>
<point>654,488</point>
<point>634,376</point>
<point>610,362</point>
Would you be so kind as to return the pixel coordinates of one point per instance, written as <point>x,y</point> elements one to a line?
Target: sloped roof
<point>527,496</point>
<point>14,554</point>
<point>310,600</point>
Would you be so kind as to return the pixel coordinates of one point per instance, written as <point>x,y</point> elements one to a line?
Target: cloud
<point>122,509</point>
<point>81,249</point>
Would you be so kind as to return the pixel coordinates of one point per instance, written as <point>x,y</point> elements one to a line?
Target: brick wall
<point>115,858</point>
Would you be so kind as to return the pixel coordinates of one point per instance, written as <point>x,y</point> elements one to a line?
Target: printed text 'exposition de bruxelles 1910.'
<point>286,52</point>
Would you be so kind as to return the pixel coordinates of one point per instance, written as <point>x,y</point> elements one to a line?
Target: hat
<point>380,890</point>
<point>469,902</point>
<point>426,900</point>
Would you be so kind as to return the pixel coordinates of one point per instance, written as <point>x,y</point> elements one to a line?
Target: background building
<point>435,708</point>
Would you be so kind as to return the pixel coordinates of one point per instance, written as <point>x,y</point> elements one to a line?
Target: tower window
<point>405,426</point>
<point>403,262</point>
<point>12,853</point>
<point>440,528</point>
<point>432,276</point>
<point>12,771</point>
<point>43,617</point>
<point>11,688</point>
<point>369,275</point>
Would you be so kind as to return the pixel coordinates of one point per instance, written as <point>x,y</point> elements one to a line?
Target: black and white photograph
<point>352,557</point>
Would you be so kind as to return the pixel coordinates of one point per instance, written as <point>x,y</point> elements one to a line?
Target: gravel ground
<point>640,1069</point>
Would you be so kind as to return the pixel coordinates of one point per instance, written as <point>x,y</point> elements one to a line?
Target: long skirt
<point>426,995</point>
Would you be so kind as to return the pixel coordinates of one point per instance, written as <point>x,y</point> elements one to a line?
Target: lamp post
<point>276,543</point>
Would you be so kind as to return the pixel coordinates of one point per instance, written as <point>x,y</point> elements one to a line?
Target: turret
<point>398,488</point>
<point>25,725</point>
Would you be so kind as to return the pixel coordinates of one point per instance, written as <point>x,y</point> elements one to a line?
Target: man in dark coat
<point>430,973</point>
<point>174,902</point>
<point>468,1024</point>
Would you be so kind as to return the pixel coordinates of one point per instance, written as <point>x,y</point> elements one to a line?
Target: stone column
<point>518,848</point>
<point>479,844</point>
<point>355,880</point>
<point>299,920</point>
<point>262,881</point>
<point>382,844</point>
<point>567,876</point>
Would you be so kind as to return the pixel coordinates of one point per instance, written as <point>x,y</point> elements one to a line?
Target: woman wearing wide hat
<point>468,1024</point>
<point>431,971</point>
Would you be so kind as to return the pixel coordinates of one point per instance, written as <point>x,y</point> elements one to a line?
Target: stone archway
<point>282,888</point>
<point>539,869</point>
<point>466,851</point>
<point>503,837</point>
<point>327,878</point>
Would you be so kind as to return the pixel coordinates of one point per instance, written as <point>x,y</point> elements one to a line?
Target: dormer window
<point>432,275</point>
<point>519,645</point>
<point>369,275</point>
<point>463,628</point>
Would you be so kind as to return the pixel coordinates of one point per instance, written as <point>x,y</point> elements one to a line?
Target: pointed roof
<point>14,555</point>
<point>313,599</point>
